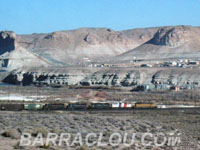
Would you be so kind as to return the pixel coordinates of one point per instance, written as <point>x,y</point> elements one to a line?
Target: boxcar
<point>145,106</point>
<point>100,106</point>
<point>77,106</point>
<point>33,106</point>
<point>54,107</point>
<point>12,107</point>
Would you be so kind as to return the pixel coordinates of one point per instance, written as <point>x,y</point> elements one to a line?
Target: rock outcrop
<point>149,78</point>
<point>7,41</point>
<point>172,37</point>
<point>47,76</point>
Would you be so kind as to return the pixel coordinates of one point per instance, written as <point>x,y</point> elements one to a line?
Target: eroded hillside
<point>145,78</point>
<point>168,42</point>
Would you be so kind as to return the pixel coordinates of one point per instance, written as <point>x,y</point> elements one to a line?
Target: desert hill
<point>168,42</point>
<point>63,48</point>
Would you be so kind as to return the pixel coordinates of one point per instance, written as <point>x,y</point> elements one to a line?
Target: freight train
<point>76,106</point>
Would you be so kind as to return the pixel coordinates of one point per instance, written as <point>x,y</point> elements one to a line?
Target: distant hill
<point>168,42</point>
<point>94,43</point>
<point>64,48</point>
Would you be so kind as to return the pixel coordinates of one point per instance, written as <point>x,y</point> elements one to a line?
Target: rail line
<point>108,111</point>
<point>133,110</point>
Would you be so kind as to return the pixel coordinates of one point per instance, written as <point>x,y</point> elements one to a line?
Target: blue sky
<point>41,16</point>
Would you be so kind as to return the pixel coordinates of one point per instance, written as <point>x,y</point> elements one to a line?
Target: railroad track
<point>137,110</point>
<point>111,110</point>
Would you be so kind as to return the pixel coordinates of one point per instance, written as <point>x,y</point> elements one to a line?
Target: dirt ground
<point>182,123</point>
